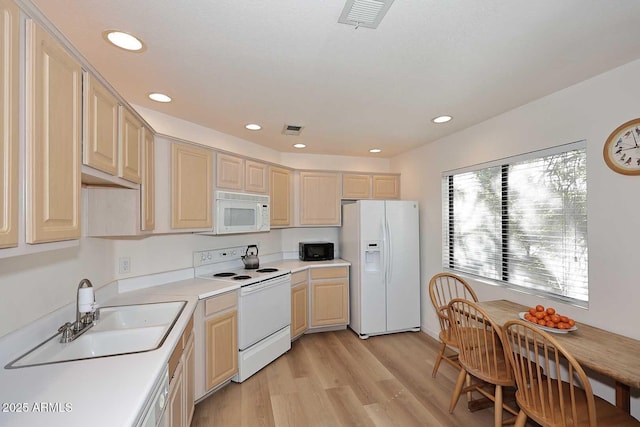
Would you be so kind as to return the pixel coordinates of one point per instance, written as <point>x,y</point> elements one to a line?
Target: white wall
<point>590,110</point>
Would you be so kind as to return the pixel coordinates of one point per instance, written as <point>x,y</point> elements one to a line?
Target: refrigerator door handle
<point>389,257</point>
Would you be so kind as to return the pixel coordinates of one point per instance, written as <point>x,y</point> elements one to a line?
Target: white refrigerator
<point>380,238</point>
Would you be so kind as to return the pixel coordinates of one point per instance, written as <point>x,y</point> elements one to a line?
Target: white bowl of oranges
<point>548,319</point>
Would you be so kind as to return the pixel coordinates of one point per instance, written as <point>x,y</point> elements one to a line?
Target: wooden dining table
<point>604,352</point>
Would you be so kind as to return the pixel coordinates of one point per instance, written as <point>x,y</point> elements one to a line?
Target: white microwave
<point>241,213</point>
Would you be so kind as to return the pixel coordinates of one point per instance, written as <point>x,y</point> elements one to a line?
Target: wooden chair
<point>443,288</point>
<point>481,355</point>
<point>550,396</point>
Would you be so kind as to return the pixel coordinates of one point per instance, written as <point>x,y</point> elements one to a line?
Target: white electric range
<point>264,306</point>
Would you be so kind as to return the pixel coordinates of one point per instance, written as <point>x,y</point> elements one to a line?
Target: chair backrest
<point>553,389</point>
<point>444,287</point>
<point>479,339</point>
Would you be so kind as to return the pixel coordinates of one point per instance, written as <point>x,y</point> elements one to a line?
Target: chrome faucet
<point>86,314</point>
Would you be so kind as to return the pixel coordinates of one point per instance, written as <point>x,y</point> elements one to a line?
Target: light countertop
<point>106,391</point>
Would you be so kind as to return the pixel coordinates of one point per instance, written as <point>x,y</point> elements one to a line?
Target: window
<point>521,221</point>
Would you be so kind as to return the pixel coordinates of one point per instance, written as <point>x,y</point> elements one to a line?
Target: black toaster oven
<point>315,251</point>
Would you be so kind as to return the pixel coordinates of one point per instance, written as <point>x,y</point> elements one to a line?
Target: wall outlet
<point>124,265</point>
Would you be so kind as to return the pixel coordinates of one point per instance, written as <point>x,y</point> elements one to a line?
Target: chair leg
<point>497,416</point>
<point>521,420</point>
<point>457,390</point>
<point>439,357</point>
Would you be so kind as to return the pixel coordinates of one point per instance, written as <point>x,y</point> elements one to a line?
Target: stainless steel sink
<point>120,330</point>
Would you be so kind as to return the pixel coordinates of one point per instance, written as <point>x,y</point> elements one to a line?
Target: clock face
<point>622,149</point>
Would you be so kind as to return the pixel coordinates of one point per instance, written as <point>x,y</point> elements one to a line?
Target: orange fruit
<point>539,314</point>
<point>555,318</point>
<point>539,307</point>
<point>551,311</point>
<point>532,310</point>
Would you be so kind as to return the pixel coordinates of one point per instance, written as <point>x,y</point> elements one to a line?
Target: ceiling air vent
<point>364,13</point>
<point>292,130</point>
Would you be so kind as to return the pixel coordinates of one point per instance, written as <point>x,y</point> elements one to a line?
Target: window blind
<point>521,221</point>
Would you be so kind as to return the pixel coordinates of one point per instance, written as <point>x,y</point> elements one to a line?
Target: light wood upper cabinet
<point>148,186</point>
<point>280,196</point>
<point>255,177</point>
<point>100,149</point>
<point>386,187</point>
<point>356,186</point>
<point>236,173</point>
<point>319,198</point>
<point>130,147</point>
<point>329,296</point>
<point>229,172</point>
<point>191,186</point>
<point>54,127</point>
<point>9,143</point>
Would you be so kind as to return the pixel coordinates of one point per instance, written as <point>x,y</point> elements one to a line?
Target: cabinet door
<point>100,148</point>
<point>189,380</point>
<point>148,186</point>
<point>356,186</point>
<point>319,198</point>
<point>54,126</point>
<point>280,192</point>
<point>175,404</point>
<point>386,187</point>
<point>221,348</point>
<point>329,302</point>
<point>299,309</point>
<point>229,172</point>
<point>255,177</point>
<point>191,186</point>
<point>9,86</point>
<point>130,147</point>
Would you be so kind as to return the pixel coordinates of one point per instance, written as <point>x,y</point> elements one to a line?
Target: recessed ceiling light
<point>124,40</point>
<point>159,97</point>
<point>253,126</point>
<point>375,150</point>
<point>441,119</point>
<point>299,145</point>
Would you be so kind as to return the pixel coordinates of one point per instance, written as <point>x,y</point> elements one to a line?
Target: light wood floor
<point>336,379</point>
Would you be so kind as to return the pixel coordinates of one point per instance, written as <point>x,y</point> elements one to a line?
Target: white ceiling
<point>231,62</point>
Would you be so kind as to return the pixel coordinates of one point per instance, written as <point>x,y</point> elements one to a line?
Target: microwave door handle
<point>258,216</point>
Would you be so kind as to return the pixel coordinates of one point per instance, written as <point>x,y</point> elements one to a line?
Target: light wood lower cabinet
<point>180,405</point>
<point>299,303</point>
<point>329,296</point>
<point>53,131</point>
<point>9,143</point>
<point>221,339</point>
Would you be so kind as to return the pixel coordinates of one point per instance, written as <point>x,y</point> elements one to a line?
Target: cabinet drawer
<point>220,303</point>
<point>328,272</point>
<point>298,277</point>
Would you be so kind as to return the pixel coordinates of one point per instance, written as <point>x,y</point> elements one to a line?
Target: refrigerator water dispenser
<point>372,256</point>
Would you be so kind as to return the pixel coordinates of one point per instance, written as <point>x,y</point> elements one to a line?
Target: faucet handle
<point>67,332</point>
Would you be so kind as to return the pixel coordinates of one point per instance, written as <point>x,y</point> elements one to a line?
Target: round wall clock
<point>622,149</point>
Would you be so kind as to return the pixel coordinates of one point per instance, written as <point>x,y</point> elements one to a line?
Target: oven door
<point>264,308</point>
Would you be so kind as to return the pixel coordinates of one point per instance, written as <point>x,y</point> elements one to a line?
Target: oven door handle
<point>262,286</point>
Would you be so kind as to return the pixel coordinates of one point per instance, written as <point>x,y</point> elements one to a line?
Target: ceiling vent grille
<point>292,130</point>
<point>364,13</point>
